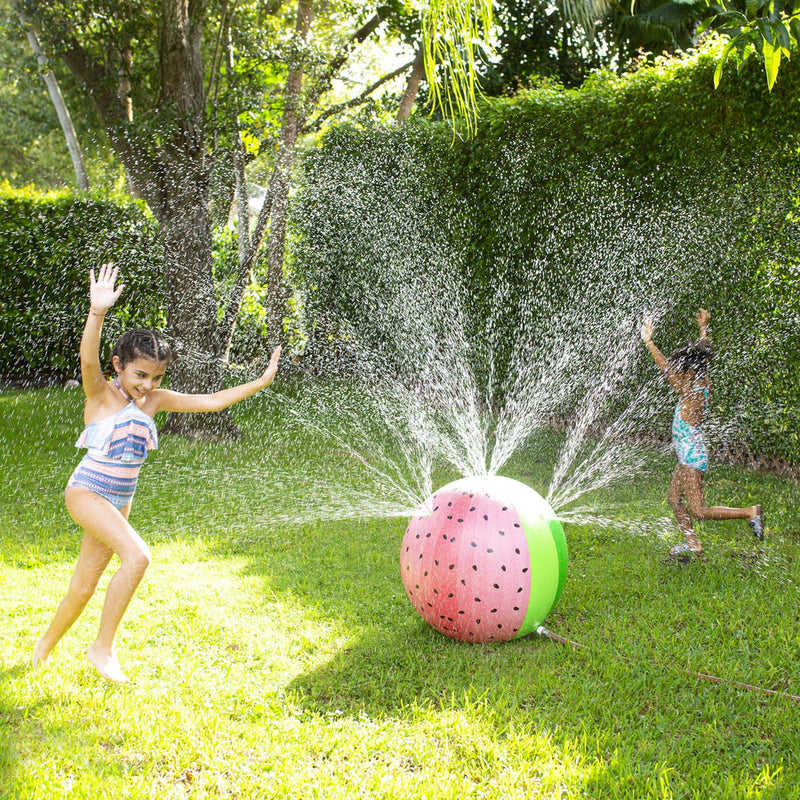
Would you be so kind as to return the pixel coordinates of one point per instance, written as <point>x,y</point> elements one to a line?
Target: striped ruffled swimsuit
<point>117,447</point>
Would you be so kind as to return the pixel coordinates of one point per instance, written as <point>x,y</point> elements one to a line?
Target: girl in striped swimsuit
<point>687,372</point>
<point>119,433</point>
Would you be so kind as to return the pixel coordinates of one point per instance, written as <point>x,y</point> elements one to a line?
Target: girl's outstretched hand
<point>102,293</point>
<point>703,317</point>
<point>647,330</point>
<point>272,368</point>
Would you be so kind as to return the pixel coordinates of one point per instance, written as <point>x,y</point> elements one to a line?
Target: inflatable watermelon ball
<point>485,560</point>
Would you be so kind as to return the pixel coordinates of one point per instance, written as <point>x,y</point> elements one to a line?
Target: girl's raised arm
<point>662,362</point>
<point>167,400</point>
<point>102,295</point>
<point>703,317</point>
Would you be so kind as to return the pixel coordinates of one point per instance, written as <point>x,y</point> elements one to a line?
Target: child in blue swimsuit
<point>119,433</point>
<point>687,372</point>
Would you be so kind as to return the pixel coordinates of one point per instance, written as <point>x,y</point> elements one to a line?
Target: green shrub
<point>650,191</point>
<point>48,243</point>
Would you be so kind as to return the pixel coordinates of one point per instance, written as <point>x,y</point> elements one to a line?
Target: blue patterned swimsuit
<point>688,441</point>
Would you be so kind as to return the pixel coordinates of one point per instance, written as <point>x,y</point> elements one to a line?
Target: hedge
<point>48,243</point>
<point>570,210</point>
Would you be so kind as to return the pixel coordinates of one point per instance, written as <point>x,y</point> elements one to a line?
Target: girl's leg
<point>675,496</point>
<point>693,490</point>
<point>110,527</point>
<point>92,561</point>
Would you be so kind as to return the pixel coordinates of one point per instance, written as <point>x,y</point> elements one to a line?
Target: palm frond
<point>455,32</point>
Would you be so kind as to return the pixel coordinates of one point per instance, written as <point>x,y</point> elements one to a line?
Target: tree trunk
<point>412,87</point>
<point>185,220</point>
<point>280,182</point>
<point>62,111</point>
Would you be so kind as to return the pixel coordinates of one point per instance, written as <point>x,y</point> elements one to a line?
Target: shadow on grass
<point>634,717</point>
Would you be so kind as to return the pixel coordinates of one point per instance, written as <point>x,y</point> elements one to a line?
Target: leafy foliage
<point>651,181</point>
<point>767,27</point>
<point>47,245</point>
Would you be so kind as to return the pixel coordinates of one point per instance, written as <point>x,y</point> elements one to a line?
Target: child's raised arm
<point>167,400</point>
<point>662,362</point>
<point>102,295</point>
<point>703,317</point>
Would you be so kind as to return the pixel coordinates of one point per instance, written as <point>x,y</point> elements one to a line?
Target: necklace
<point>123,392</point>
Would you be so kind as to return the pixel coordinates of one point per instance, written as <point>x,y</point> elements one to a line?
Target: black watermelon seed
<point>519,590</point>
<point>449,516</point>
<point>420,556</point>
<point>490,550</point>
<point>430,605</point>
<point>428,535</point>
<point>502,533</point>
<point>515,629</point>
<point>516,550</point>
<point>503,568</point>
<point>452,538</point>
<point>525,570</point>
<point>474,567</point>
<point>436,591</point>
<point>477,599</point>
<point>444,536</point>
<point>459,520</point>
<point>450,504</point>
<point>505,508</point>
<point>452,566</point>
<point>425,574</point>
<point>477,622</point>
<point>436,562</point>
<point>450,595</point>
<point>494,611</point>
<point>436,508</point>
<point>461,612</point>
<point>463,582</point>
<point>473,508</point>
<point>496,585</point>
<point>486,516</point>
<point>516,608</point>
<point>517,525</point>
<point>499,626</point>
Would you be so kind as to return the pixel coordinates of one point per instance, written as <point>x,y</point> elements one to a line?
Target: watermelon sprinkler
<point>485,559</point>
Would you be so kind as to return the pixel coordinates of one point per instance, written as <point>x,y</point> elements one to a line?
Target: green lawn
<point>271,658</point>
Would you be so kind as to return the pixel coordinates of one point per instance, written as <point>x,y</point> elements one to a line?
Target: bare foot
<point>107,665</point>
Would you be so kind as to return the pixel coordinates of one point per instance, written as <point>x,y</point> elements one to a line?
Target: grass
<point>283,660</point>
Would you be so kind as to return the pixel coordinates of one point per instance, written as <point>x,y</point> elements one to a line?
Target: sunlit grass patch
<point>275,660</point>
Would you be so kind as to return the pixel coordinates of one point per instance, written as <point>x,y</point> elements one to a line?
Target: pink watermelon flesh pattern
<point>466,567</point>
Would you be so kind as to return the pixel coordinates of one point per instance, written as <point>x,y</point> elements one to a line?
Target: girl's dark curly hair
<point>142,343</point>
<point>693,357</point>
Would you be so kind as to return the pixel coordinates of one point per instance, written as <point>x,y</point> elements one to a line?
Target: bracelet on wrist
<point>97,313</point>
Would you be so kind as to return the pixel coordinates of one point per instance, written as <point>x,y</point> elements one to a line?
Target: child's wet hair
<point>142,343</point>
<point>694,357</point>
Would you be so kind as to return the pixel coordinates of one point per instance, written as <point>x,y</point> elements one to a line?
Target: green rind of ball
<point>547,549</point>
